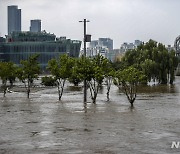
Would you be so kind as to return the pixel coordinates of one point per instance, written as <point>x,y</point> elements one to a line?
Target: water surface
<point>42,124</point>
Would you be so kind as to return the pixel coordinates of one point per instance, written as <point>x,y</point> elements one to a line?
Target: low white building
<point>129,46</point>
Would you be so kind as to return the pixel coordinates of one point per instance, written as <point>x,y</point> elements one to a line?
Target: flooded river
<point>43,125</point>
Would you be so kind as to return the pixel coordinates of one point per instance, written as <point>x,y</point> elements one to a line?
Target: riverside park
<point>132,105</point>
<point>42,124</point>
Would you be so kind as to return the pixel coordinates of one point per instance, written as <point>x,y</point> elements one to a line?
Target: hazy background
<point>121,20</point>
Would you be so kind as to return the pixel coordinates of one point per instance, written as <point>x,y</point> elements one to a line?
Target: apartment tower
<point>35,26</point>
<point>14,19</point>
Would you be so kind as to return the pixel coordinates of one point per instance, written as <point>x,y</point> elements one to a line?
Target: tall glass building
<point>106,42</point>
<point>35,25</point>
<point>14,19</point>
<point>20,45</point>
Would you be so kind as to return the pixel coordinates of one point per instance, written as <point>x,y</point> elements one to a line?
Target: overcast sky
<point>121,20</point>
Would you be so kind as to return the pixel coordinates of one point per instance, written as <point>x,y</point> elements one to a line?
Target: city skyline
<point>120,20</point>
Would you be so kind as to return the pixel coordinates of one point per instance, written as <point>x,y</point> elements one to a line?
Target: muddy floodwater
<point>43,125</point>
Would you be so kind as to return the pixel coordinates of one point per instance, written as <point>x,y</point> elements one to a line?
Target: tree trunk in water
<point>132,103</point>
<point>108,96</point>
<point>5,92</point>
<point>59,92</point>
<point>171,77</point>
<point>171,81</point>
<point>28,92</point>
<point>59,95</point>
<point>28,87</point>
<point>60,86</point>
<point>94,98</point>
<point>108,82</point>
<point>5,88</point>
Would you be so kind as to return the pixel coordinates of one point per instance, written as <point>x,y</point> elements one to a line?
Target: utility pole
<point>85,40</point>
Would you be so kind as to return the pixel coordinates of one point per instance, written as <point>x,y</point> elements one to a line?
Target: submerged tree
<point>127,81</point>
<point>61,69</point>
<point>7,72</point>
<point>48,81</point>
<point>28,72</point>
<point>157,63</point>
<point>94,70</point>
<point>109,73</point>
<point>84,69</point>
<point>172,65</point>
<point>91,70</point>
<point>98,64</point>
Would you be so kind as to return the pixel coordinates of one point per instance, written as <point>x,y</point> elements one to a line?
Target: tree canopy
<point>154,60</point>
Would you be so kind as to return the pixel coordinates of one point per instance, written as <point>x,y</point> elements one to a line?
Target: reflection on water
<point>74,88</point>
<point>158,89</point>
<point>43,124</point>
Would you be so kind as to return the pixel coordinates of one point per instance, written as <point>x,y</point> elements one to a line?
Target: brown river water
<point>43,125</point>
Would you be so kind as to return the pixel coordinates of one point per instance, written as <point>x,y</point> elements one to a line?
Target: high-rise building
<point>14,19</point>
<point>35,26</point>
<point>93,43</point>
<point>137,43</point>
<point>106,42</point>
<point>101,46</point>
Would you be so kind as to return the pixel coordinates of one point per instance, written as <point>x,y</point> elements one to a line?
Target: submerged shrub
<point>48,81</point>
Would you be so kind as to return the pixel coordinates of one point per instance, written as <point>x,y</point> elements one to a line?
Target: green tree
<point>28,72</point>
<point>48,81</point>
<point>84,68</point>
<point>98,63</point>
<point>61,69</point>
<point>75,78</point>
<point>127,81</point>
<point>108,79</point>
<point>154,60</point>
<point>7,72</point>
<point>172,65</point>
<point>149,68</point>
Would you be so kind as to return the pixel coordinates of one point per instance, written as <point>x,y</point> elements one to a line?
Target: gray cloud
<point>121,20</point>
